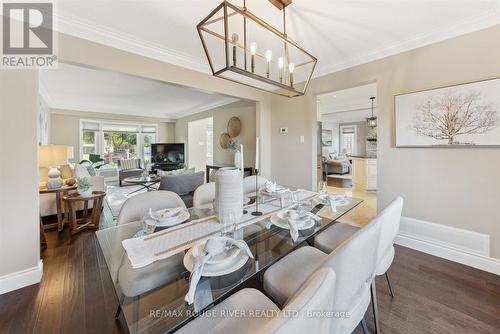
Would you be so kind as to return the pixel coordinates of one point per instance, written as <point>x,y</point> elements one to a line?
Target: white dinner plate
<point>280,222</point>
<point>337,201</point>
<point>213,270</point>
<point>175,220</point>
<point>226,256</point>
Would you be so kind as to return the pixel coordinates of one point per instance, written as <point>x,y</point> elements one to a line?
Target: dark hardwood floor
<point>76,294</point>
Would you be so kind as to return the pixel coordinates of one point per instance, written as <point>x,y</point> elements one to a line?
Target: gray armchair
<point>337,166</point>
<point>183,184</point>
<point>129,168</point>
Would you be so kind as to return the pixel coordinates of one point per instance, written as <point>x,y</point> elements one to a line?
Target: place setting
<point>295,219</point>
<point>216,256</point>
<point>333,201</point>
<point>154,221</point>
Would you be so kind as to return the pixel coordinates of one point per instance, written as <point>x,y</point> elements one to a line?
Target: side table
<point>86,222</point>
<point>59,192</point>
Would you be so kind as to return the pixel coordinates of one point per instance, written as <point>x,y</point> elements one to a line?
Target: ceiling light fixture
<point>372,121</point>
<point>273,69</point>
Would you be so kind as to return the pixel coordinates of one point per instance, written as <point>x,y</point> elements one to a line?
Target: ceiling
<point>81,88</point>
<point>348,105</point>
<point>340,33</point>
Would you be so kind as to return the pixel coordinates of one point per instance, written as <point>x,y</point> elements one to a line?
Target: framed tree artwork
<point>466,115</point>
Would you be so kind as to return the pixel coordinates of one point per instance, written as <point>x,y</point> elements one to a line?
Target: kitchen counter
<point>364,173</point>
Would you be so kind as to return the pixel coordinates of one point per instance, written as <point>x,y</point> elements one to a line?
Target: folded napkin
<point>293,217</point>
<point>165,213</point>
<point>213,247</point>
<point>272,187</point>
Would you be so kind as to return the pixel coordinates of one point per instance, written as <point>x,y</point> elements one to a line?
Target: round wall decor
<point>224,140</point>
<point>234,127</point>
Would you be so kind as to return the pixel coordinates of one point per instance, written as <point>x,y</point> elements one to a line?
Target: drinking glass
<point>228,220</point>
<point>148,226</point>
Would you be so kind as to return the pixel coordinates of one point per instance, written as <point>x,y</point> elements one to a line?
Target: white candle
<point>257,155</point>
<point>242,165</point>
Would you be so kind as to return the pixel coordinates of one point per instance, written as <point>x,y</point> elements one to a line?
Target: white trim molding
<point>22,278</point>
<point>454,244</point>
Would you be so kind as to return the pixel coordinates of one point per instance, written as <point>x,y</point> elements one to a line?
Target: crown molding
<point>74,109</point>
<point>214,105</point>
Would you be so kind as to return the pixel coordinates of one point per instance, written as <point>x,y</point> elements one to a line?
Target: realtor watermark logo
<point>28,35</point>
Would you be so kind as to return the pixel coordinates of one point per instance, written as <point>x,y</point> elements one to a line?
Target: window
<point>348,140</point>
<point>90,131</point>
<point>147,140</point>
<point>116,141</point>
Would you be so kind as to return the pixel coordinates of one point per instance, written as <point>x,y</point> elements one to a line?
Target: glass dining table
<point>151,297</point>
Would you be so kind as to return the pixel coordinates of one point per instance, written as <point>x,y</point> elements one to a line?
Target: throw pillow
<point>81,171</point>
<point>91,171</point>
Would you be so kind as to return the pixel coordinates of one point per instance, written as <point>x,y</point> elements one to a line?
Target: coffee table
<point>147,182</point>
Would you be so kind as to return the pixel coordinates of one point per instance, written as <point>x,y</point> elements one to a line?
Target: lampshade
<point>52,155</point>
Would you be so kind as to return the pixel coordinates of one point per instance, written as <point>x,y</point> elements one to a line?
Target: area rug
<point>116,196</point>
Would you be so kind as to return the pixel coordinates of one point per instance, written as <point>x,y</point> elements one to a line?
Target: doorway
<point>200,143</point>
<point>349,146</point>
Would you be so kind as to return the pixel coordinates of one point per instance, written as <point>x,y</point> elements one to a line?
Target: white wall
<point>197,137</point>
<point>244,110</point>
<point>20,263</point>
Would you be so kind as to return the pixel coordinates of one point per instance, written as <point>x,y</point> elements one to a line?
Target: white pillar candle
<point>241,160</point>
<point>257,155</point>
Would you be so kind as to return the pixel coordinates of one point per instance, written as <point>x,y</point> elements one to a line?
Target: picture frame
<point>326,137</point>
<point>465,115</point>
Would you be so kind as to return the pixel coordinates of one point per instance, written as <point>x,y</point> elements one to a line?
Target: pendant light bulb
<point>269,55</point>
<point>253,48</point>
<point>281,63</point>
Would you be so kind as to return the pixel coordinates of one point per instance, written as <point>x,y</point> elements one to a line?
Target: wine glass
<point>228,220</point>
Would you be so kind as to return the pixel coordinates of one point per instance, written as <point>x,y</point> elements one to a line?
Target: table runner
<point>147,249</point>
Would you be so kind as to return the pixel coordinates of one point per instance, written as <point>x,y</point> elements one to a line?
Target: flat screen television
<point>167,153</point>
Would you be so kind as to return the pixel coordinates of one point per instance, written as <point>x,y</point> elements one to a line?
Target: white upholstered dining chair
<point>316,294</point>
<point>135,282</point>
<point>354,264</point>
<point>390,218</point>
<point>135,207</point>
<point>249,183</point>
<point>204,195</point>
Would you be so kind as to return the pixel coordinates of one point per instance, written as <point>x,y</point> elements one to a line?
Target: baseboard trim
<point>21,278</point>
<point>434,241</point>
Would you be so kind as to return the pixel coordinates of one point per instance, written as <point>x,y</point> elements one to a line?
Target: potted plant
<point>84,187</point>
<point>234,146</point>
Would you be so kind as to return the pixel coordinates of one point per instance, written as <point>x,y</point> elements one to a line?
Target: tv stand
<point>166,166</point>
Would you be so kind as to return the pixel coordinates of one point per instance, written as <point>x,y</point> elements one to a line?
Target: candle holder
<point>256,213</point>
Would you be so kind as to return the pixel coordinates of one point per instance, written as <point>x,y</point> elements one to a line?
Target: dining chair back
<point>354,263</point>
<point>390,218</point>
<point>204,195</point>
<point>315,295</point>
<point>249,183</point>
<point>134,208</point>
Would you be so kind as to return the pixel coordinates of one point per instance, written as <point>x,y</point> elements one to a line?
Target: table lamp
<point>52,156</point>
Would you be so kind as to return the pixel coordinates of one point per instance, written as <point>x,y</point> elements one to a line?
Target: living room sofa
<point>183,184</point>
